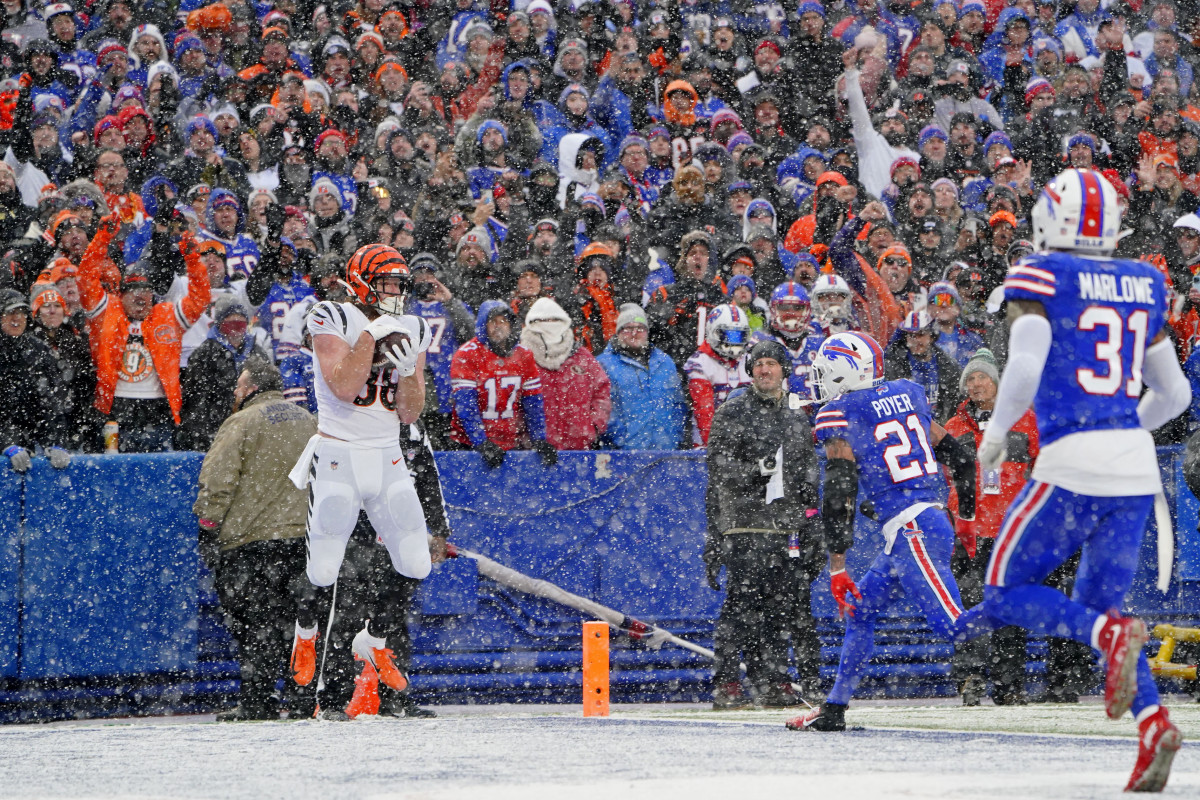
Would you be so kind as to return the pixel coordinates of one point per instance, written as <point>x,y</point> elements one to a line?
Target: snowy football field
<point>915,749</point>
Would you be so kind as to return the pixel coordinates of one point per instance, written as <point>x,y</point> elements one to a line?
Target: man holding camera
<point>761,504</point>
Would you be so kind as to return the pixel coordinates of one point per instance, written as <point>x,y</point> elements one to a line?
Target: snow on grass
<point>498,752</point>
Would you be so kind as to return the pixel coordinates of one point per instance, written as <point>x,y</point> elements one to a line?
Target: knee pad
<point>332,511</point>
<point>410,557</point>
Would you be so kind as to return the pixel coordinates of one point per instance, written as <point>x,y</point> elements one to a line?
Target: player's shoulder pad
<point>328,317</point>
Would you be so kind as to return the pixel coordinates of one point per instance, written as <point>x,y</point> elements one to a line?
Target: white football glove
<point>384,326</point>
<point>403,357</point>
<point>991,453</point>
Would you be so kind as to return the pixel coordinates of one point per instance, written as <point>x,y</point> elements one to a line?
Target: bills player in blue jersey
<point>1086,332</point>
<point>880,436</point>
<point>792,326</point>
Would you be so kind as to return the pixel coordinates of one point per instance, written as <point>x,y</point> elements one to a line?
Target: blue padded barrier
<point>10,572</point>
<point>111,568</point>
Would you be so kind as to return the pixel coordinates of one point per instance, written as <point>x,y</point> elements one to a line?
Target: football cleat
<point>1158,742</point>
<point>304,656</point>
<point>827,717</point>
<point>372,650</point>
<point>1121,640</point>
<point>728,696</point>
<point>366,693</point>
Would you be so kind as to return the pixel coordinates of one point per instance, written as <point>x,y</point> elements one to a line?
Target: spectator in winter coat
<point>212,374</point>
<point>136,343</point>
<point>497,392</point>
<point>69,347</point>
<point>225,221</point>
<point>674,309</point>
<point>996,490</point>
<point>648,405</point>
<point>912,355</point>
<point>953,339</point>
<point>575,388</point>
<point>32,403</point>
<point>877,149</point>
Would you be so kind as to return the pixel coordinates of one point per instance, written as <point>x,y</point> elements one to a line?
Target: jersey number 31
<point>1108,350</point>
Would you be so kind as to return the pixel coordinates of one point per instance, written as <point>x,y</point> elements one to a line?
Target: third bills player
<point>1086,331</point>
<point>369,364</point>
<point>881,435</point>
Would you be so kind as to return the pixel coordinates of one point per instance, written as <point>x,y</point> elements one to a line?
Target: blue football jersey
<point>1103,314</point>
<point>441,349</point>
<point>887,427</point>
<point>802,357</point>
<point>279,301</point>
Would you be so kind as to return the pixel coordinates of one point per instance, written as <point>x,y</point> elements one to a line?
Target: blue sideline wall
<point>103,602</point>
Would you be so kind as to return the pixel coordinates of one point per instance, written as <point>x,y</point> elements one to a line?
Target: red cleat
<point>1121,641</point>
<point>1158,742</point>
<point>304,658</point>
<point>366,693</point>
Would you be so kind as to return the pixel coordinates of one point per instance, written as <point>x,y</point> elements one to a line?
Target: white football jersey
<point>370,420</point>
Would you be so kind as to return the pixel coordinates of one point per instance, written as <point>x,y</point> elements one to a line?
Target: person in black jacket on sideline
<point>761,504</point>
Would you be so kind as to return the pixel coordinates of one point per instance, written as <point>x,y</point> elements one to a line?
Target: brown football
<point>385,345</point>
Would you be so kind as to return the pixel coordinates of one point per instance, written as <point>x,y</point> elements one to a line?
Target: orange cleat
<point>372,649</point>
<point>304,656</point>
<point>1121,640</point>
<point>1158,742</point>
<point>366,692</point>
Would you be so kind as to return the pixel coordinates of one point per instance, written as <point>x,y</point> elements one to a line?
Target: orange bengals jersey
<point>500,383</point>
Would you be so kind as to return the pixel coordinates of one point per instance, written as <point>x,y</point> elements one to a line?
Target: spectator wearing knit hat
<point>332,161</point>
<point>201,162</point>
<point>913,355</point>
<point>212,374</point>
<point>932,143</point>
<point>648,406</point>
<point>69,346</point>
<point>32,406</point>
<point>945,306</point>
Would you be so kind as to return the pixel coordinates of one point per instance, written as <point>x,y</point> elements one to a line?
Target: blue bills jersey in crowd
<point>1103,314</point>
<point>441,349</point>
<point>281,298</point>
<point>799,379</point>
<point>887,427</point>
<point>296,368</point>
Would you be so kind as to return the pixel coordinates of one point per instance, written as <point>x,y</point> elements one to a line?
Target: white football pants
<point>346,478</point>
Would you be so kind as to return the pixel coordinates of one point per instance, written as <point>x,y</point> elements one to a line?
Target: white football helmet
<point>1077,212</point>
<point>831,302</point>
<point>727,330</point>
<point>846,361</point>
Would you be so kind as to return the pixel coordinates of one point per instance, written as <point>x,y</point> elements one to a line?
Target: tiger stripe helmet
<point>371,263</point>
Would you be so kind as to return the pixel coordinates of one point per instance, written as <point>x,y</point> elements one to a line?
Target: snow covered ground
<point>934,750</point>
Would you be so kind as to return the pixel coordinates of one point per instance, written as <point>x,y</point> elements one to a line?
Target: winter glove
<point>840,582</point>
<point>19,459</point>
<point>384,326</point>
<point>210,549</point>
<point>59,458</point>
<point>991,454</point>
<point>403,357</point>
<point>275,218</point>
<point>493,454</point>
<point>546,451</point>
<point>867,508</point>
<point>712,571</point>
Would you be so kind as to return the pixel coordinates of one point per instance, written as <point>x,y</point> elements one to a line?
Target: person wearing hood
<point>575,388</point>
<point>684,124</point>
<point>514,110</point>
<point>497,392</point>
<point>571,115</point>
<point>742,292</point>
<point>225,221</point>
<point>595,297</point>
<point>212,374</point>
<point>490,157</point>
<point>580,156</point>
<point>202,162</point>
<point>623,98</point>
<point>571,65</point>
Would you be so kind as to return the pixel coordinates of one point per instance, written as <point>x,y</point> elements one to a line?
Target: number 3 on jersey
<point>913,468</point>
<point>1108,350</point>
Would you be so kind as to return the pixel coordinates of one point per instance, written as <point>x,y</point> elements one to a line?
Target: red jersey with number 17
<point>499,382</point>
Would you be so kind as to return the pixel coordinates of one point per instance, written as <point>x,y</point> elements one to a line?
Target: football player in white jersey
<point>366,389</point>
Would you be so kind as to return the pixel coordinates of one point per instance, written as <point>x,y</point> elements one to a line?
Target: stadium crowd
<point>620,196</point>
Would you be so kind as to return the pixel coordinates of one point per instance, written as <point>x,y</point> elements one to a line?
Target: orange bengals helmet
<point>372,263</point>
